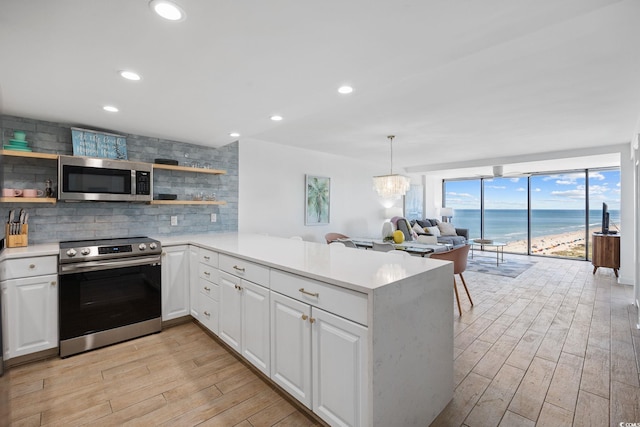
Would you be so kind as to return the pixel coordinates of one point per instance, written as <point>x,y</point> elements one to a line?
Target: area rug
<point>509,268</point>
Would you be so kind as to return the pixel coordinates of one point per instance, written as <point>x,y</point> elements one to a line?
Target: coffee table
<point>498,246</point>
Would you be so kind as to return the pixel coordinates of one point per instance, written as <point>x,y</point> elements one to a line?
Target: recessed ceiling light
<point>234,134</point>
<point>130,75</point>
<point>168,10</point>
<point>345,89</point>
<point>276,118</point>
<point>110,108</point>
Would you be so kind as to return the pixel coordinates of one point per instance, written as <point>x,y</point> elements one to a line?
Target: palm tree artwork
<point>318,200</point>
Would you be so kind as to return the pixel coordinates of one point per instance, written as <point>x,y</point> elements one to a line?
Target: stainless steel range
<point>110,291</point>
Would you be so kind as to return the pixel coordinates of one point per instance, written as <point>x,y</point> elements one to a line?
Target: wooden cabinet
<point>29,305</point>
<point>244,319</point>
<point>319,358</point>
<point>175,282</point>
<point>606,251</point>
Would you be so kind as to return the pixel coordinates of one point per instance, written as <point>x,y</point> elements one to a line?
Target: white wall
<point>272,192</point>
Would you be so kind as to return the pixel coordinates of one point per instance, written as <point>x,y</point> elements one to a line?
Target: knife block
<point>17,240</point>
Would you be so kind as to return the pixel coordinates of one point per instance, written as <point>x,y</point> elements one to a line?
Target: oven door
<point>97,298</point>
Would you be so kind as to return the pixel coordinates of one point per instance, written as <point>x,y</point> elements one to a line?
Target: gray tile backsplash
<point>82,220</point>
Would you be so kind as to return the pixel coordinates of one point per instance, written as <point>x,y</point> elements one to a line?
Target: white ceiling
<point>455,81</point>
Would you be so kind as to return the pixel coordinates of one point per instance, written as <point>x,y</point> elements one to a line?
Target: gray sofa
<point>460,239</point>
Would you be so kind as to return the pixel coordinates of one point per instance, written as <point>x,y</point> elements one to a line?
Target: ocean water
<point>509,225</point>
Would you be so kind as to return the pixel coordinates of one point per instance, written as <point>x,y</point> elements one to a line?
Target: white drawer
<point>208,257</point>
<point>208,272</point>
<point>248,270</point>
<point>209,314</point>
<point>342,302</point>
<point>211,290</point>
<point>29,267</point>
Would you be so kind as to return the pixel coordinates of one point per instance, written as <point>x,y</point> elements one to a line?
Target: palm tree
<point>318,198</point>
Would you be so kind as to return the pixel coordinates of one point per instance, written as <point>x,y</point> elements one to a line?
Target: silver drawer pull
<point>206,313</point>
<point>207,257</point>
<point>206,288</point>
<point>32,266</point>
<point>312,294</point>
<point>235,267</point>
<point>206,273</point>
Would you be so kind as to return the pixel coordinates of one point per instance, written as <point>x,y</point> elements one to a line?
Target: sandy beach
<point>570,244</point>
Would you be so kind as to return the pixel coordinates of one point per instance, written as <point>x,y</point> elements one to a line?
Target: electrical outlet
<point>214,217</point>
<point>174,220</point>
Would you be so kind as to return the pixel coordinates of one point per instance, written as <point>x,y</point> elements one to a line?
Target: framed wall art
<point>317,200</point>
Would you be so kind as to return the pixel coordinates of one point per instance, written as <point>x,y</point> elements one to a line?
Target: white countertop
<point>30,251</point>
<point>357,269</point>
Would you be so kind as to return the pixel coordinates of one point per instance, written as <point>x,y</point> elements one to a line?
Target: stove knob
<point>71,252</point>
<point>153,245</point>
<point>142,246</point>
<point>85,251</point>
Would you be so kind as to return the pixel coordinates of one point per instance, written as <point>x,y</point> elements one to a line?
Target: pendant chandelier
<point>391,186</point>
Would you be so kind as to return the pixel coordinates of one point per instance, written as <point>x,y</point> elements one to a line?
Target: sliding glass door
<point>551,214</point>
<point>558,215</point>
<point>464,197</point>
<point>505,212</point>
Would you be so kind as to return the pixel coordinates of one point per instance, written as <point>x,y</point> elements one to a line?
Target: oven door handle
<point>81,267</point>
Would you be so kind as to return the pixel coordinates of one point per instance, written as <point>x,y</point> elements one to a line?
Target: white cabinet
<point>29,305</point>
<point>194,308</point>
<point>206,294</point>
<point>244,318</point>
<point>319,358</point>
<point>175,282</point>
<point>291,346</point>
<point>339,363</point>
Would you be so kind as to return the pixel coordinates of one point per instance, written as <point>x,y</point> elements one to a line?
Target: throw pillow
<point>423,223</point>
<point>416,227</point>
<point>447,229</point>
<point>434,231</point>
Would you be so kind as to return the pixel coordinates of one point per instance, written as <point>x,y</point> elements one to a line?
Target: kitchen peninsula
<point>400,371</point>
<point>361,338</point>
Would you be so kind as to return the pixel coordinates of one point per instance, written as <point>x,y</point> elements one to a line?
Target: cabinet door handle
<point>313,294</point>
<point>206,288</point>
<point>235,267</point>
<point>312,320</point>
<point>305,317</point>
<point>206,273</point>
<point>206,313</point>
<point>32,266</point>
<point>238,287</point>
<point>54,283</point>
<point>206,257</point>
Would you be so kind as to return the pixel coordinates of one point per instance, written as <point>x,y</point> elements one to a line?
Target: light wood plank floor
<point>555,346</point>
<point>180,377</point>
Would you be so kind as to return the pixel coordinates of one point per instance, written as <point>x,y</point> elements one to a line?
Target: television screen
<point>605,218</point>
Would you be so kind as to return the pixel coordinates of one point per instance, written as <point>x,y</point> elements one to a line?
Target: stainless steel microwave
<point>88,178</point>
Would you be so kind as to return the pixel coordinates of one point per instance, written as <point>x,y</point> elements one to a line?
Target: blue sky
<point>553,191</point>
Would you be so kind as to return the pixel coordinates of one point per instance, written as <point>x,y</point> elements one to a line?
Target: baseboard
<point>624,280</point>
